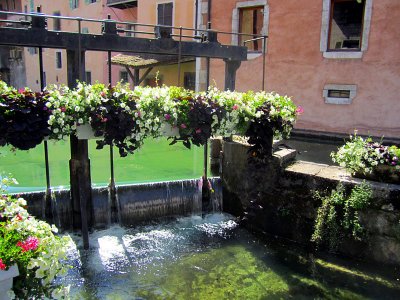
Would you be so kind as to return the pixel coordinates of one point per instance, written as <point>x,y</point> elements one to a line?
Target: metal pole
<point>83,200</point>
<point>263,66</point>
<point>47,204</point>
<point>113,194</point>
<point>179,56</point>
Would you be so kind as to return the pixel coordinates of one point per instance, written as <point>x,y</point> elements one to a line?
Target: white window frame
<point>326,7</point>
<point>235,22</point>
<point>341,87</point>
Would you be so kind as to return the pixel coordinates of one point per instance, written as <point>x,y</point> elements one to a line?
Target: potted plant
<point>367,159</point>
<point>32,247</point>
<point>24,117</point>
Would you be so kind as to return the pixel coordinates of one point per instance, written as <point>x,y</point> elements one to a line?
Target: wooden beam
<point>130,74</point>
<point>33,37</point>
<point>145,75</point>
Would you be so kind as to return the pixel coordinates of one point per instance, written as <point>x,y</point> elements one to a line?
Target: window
<point>189,80</point>
<point>88,77</point>
<point>339,93</point>
<point>345,25</point>
<point>90,1</point>
<point>58,60</point>
<point>73,4</point>
<point>252,18</point>
<point>85,30</point>
<point>32,50</point>
<point>123,76</point>
<point>345,28</point>
<point>57,22</point>
<point>164,15</point>
<point>251,21</point>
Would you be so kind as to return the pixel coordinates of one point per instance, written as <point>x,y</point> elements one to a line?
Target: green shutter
<point>32,5</point>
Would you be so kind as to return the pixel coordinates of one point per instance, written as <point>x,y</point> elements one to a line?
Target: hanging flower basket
<point>6,281</point>
<point>169,130</point>
<point>84,132</point>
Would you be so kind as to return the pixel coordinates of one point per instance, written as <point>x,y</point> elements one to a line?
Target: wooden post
<point>79,164</point>
<point>231,67</point>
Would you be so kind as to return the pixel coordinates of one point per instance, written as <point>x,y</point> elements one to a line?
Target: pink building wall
<point>295,66</point>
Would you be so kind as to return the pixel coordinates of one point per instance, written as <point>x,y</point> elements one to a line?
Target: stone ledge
<point>335,173</point>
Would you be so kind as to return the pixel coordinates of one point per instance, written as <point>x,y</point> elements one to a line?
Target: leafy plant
<point>23,117</point>
<point>34,246</point>
<point>113,121</point>
<point>364,156</point>
<point>338,215</point>
<point>124,118</point>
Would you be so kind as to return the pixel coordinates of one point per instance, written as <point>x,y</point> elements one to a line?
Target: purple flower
<point>167,116</point>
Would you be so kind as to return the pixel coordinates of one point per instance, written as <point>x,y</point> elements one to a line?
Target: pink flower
<point>31,243</point>
<point>183,126</point>
<point>2,265</point>
<point>19,218</point>
<point>103,120</point>
<point>198,131</point>
<point>167,116</point>
<point>63,109</point>
<point>299,110</point>
<point>138,113</point>
<point>235,107</point>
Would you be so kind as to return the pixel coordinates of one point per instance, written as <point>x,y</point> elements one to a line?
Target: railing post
<point>79,164</point>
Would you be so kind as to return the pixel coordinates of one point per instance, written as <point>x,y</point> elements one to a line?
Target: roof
<point>146,61</point>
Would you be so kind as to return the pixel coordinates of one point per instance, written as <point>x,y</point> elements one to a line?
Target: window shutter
<point>160,14</point>
<point>168,14</point>
<point>71,4</point>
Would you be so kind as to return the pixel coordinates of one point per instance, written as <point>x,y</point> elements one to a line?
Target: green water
<point>212,258</point>
<point>155,161</point>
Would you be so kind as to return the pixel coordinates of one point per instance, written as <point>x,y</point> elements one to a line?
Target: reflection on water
<point>213,258</point>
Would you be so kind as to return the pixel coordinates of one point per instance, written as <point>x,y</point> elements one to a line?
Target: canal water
<point>214,258</point>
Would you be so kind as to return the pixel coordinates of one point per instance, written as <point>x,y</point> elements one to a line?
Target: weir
<point>137,203</point>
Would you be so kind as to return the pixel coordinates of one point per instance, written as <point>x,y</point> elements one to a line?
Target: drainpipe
<point>196,21</point>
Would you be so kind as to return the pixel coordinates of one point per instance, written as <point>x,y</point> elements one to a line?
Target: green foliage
<point>363,156</point>
<point>124,117</point>
<point>32,245</point>
<point>338,215</point>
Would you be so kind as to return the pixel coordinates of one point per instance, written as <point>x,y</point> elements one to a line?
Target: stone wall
<point>277,199</point>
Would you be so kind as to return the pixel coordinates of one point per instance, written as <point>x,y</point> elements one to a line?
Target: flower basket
<point>382,173</point>
<point>85,132</point>
<point>169,130</point>
<point>6,281</point>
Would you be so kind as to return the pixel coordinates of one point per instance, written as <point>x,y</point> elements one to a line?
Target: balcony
<point>122,4</point>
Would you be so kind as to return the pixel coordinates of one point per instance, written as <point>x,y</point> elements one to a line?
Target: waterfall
<point>136,202</point>
<point>149,201</point>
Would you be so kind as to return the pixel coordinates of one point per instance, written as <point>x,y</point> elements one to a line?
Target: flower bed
<point>33,246</point>
<point>124,118</point>
<point>367,159</point>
